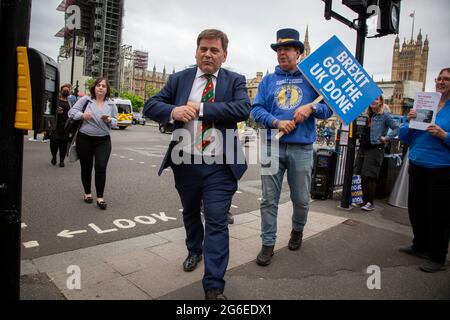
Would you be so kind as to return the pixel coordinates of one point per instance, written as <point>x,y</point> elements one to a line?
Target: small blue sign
<point>335,73</point>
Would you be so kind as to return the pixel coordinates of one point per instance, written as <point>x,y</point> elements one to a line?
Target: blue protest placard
<point>336,74</point>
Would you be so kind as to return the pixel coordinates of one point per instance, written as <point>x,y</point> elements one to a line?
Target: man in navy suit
<point>205,103</point>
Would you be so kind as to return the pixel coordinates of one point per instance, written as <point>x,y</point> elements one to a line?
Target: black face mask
<point>65,94</point>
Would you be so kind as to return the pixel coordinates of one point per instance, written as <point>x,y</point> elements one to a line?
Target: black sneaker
<point>265,255</point>
<point>53,161</point>
<point>230,218</point>
<point>295,242</point>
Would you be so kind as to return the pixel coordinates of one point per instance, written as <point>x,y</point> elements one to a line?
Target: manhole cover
<point>351,222</point>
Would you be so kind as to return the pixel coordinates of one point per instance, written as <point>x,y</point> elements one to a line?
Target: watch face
<point>394,17</point>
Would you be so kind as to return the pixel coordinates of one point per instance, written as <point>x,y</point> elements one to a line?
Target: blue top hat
<point>288,38</point>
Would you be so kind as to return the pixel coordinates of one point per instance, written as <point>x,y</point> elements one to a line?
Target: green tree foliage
<point>151,90</point>
<point>89,83</point>
<point>136,101</point>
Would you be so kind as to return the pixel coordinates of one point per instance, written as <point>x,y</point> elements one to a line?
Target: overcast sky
<point>168,30</point>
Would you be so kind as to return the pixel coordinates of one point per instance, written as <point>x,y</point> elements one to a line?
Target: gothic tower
<point>306,43</point>
<point>411,61</point>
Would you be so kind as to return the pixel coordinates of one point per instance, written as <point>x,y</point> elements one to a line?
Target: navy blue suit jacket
<point>231,106</point>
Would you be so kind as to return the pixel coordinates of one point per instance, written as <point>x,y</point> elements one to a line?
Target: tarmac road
<point>55,218</point>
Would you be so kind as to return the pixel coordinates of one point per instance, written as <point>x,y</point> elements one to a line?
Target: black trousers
<point>369,188</point>
<point>91,148</point>
<point>429,190</point>
<point>60,145</point>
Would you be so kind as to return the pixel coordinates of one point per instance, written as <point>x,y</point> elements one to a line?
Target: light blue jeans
<point>298,161</point>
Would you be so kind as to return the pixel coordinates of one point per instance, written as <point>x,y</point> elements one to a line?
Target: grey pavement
<point>345,255</point>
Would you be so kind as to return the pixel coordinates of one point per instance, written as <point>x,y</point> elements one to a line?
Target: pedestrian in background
<point>429,182</point>
<point>371,149</point>
<point>282,103</point>
<point>58,137</point>
<point>93,140</point>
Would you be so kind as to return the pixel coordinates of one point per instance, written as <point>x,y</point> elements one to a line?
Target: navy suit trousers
<point>214,185</point>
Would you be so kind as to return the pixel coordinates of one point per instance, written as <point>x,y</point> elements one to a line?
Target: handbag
<point>73,153</point>
<point>71,125</point>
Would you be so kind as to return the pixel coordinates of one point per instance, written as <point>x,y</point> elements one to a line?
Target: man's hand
<point>383,140</point>
<point>286,126</point>
<point>185,113</point>
<point>195,105</point>
<point>303,113</point>
<point>437,132</point>
<point>412,115</point>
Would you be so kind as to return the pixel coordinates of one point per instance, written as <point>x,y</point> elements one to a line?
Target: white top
<point>194,127</point>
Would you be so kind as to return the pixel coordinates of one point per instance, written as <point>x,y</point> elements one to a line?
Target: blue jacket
<point>424,149</point>
<point>380,127</point>
<point>231,105</point>
<point>279,95</point>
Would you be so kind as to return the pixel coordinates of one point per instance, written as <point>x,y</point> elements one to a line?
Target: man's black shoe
<point>191,262</point>
<point>230,218</point>
<point>432,266</point>
<point>413,252</point>
<point>215,294</point>
<point>295,242</point>
<point>265,255</point>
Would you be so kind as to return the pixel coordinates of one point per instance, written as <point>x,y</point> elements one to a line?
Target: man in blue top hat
<point>283,103</point>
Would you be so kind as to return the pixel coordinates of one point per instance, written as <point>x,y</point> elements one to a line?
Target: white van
<point>124,112</point>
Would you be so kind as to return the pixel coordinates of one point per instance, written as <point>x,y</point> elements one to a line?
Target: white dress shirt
<point>194,127</point>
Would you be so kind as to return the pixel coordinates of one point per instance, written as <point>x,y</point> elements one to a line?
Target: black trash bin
<point>323,174</point>
<point>390,169</point>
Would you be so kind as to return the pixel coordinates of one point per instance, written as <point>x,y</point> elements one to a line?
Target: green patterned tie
<point>207,96</point>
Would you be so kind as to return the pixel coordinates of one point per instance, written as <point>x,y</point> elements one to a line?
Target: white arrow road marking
<point>235,207</point>
<point>30,244</point>
<point>238,192</point>
<point>70,234</point>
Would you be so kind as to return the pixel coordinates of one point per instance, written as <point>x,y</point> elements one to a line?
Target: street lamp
<point>73,23</point>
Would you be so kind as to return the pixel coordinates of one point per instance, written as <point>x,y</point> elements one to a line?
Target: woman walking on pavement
<point>429,182</point>
<point>93,139</point>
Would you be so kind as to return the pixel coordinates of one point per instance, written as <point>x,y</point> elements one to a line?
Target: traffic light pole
<point>14,31</point>
<point>350,156</point>
<point>74,41</point>
<point>361,29</point>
